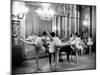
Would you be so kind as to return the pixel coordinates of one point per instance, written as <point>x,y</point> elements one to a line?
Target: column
<point>91,21</point>
<point>70,20</point>
<point>54,24</point>
<point>66,26</point>
<point>22,25</point>
<point>75,18</point>
<point>58,27</point>
<point>94,22</point>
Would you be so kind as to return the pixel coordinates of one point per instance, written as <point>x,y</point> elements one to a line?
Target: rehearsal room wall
<point>34,23</point>
<point>94,23</point>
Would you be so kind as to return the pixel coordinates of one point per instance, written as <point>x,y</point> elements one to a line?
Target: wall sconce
<point>86,22</point>
<point>19,9</point>
<point>20,16</point>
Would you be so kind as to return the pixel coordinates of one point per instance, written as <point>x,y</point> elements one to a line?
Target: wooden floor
<point>85,62</point>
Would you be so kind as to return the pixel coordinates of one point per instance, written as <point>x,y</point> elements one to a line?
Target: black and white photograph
<point>52,37</point>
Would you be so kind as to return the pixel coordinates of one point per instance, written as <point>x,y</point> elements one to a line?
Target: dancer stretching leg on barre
<point>54,48</point>
<point>38,43</point>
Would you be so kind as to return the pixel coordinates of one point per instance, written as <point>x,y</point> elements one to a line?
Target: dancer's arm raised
<point>49,34</point>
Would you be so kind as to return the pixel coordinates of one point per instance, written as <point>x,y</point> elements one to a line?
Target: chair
<point>65,50</point>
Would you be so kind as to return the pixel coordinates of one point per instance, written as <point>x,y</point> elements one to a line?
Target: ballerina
<point>89,43</point>
<point>54,46</point>
<point>38,43</point>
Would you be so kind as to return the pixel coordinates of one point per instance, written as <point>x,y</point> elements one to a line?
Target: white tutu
<point>73,42</point>
<point>79,47</point>
<point>90,43</point>
<point>51,47</point>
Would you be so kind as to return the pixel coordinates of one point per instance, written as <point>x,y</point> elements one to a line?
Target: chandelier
<point>45,12</point>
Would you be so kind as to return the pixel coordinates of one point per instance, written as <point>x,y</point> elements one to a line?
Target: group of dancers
<point>51,44</point>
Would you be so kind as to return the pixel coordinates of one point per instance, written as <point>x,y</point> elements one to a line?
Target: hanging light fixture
<point>45,12</point>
